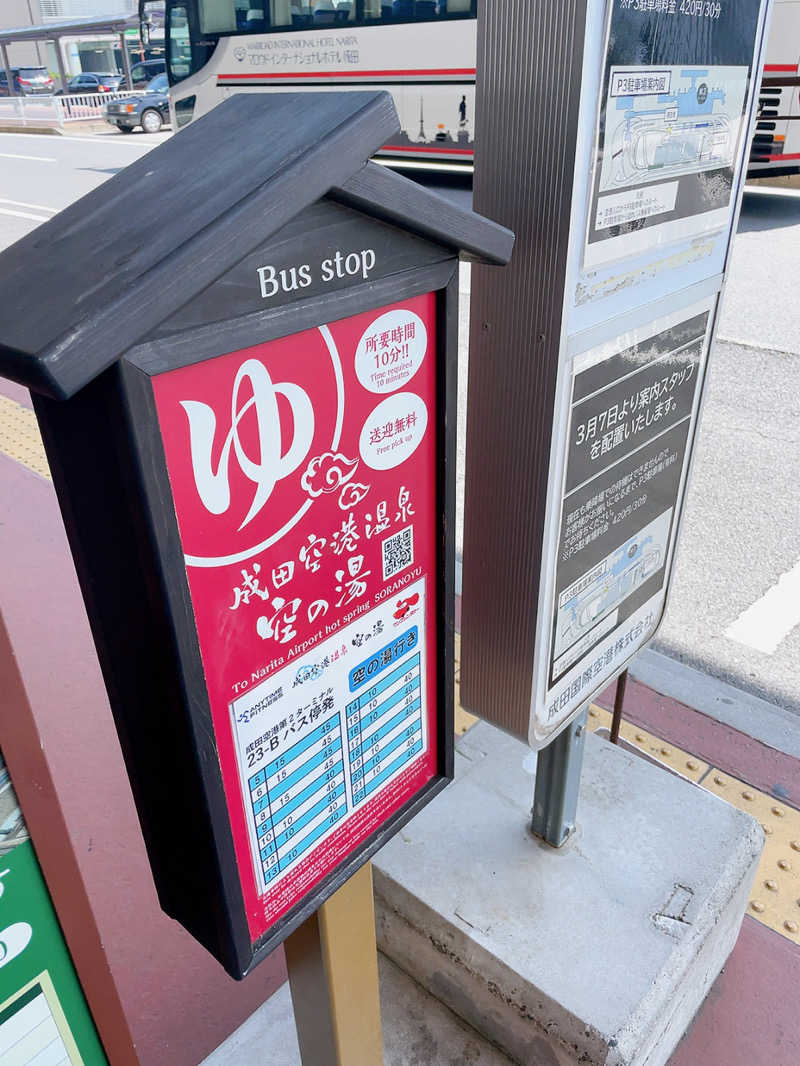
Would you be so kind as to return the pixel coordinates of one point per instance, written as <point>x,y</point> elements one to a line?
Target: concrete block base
<point>599,952</point>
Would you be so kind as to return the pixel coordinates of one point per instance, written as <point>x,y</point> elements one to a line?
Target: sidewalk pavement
<point>748,753</point>
<point>751,1016</point>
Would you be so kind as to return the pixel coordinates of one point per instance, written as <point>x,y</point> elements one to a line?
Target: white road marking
<point>35,207</point>
<point>766,622</point>
<point>112,139</point>
<point>35,158</point>
<point>24,214</point>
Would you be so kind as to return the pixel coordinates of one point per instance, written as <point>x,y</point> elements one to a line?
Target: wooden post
<point>332,961</point>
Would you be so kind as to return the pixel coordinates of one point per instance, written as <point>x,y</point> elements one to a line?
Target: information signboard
<point>251,429</point>
<point>633,410</point>
<point>614,298</point>
<point>305,495</point>
<point>671,122</point>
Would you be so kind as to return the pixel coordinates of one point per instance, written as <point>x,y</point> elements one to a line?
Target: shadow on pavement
<point>774,210</point>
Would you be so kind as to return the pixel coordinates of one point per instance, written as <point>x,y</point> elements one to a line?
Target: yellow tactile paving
<point>19,437</point>
<point>682,762</point>
<point>775,898</point>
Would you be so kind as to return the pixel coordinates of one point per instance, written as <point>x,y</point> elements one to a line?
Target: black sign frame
<point>107,459</point>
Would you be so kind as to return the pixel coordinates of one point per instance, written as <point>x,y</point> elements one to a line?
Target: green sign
<point>43,1014</point>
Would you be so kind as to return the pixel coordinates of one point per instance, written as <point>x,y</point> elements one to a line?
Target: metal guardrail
<point>55,110</point>
<point>76,106</point>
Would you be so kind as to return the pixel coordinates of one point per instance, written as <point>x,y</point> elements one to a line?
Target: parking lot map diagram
<point>671,119</point>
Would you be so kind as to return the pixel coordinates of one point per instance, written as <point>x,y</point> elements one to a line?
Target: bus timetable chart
<point>355,731</point>
<point>384,726</point>
<point>290,814</point>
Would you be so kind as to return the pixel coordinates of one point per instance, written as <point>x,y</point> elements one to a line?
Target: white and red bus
<point>776,142</point>
<point>422,51</point>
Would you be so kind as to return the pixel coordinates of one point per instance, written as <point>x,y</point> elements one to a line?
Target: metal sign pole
<point>62,70</point>
<point>332,961</point>
<point>126,61</point>
<point>558,777</point>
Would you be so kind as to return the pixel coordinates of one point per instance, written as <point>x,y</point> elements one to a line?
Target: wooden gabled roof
<point>81,289</point>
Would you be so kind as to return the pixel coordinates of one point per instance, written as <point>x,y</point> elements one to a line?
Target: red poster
<point>303,474</point>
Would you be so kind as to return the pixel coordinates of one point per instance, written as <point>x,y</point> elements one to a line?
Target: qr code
<point>398,552</point>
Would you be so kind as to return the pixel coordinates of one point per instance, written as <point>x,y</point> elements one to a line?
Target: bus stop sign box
<point>579,453</point>
<point>250,422</point>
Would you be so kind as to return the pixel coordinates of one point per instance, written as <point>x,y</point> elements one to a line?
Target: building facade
<point>97,52</point>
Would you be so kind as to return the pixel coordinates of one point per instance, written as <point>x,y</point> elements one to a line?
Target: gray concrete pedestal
<point>599,952</point>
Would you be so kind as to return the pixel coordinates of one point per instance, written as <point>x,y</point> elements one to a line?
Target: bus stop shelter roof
<point>172,223</point>
<point>71,28</point>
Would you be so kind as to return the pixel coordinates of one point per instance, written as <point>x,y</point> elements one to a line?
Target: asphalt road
<point>735,605</point>
<point>40,174</point>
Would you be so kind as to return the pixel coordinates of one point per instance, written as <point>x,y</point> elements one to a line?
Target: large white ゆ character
<point>273,464</point>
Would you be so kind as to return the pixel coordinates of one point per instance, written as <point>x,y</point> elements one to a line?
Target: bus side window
<point>301,13</point>
<point>378,10</point>
<point>232,16</point>
<point>413,10</point>
<point>280,12</point>
<point>254,21</point>
<point>324,12</point>
<point>218,16</point>
<point>425,10</point>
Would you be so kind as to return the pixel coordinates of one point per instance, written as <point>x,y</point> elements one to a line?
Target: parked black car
<point>144,72</point>
<point>94,82</point>
<point>28,81</point>
<point>150,110</point>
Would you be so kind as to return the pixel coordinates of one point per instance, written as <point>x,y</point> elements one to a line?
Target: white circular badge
<point>393,431</point>
<point>391,351</point>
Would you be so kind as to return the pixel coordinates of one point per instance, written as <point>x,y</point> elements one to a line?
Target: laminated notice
<point>304,477</point>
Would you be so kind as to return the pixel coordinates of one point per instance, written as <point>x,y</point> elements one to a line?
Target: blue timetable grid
<point>297,797</point>
<point>385,726</point>
<point>320,738</point>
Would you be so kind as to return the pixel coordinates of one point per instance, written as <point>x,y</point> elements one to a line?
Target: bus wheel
<point>151,121</point>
